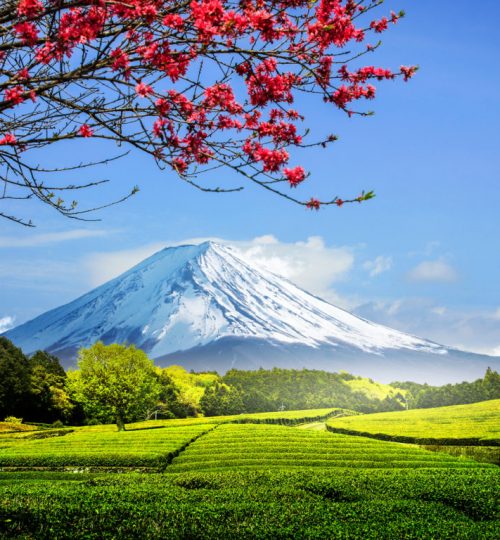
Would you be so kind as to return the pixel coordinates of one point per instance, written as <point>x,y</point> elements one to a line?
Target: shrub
<point>13,420</point>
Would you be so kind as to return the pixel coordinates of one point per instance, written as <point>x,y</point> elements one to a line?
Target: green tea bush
<point>246,446</point>
<point>466,425</point>
<point>238,481</point>
<point>80,448</point>
<point>357,504</point>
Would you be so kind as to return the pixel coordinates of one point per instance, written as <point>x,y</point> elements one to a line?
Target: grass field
<point>478,423</point>
<point>185,479</point>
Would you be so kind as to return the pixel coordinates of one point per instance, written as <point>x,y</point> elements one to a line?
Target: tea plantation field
<point>477,423</point>
<point>228,477</point>
<point>236,447</point>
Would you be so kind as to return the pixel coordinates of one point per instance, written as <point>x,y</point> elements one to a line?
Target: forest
<point>37,389</point>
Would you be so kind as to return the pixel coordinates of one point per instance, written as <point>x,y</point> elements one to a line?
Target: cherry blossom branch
<point>198,85</point>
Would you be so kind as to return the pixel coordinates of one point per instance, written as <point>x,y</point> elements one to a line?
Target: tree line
<point>33,388</point>
<point>272,390</point>
<point>113,383</point>
<point>118,383</point>
<point>424,396</point>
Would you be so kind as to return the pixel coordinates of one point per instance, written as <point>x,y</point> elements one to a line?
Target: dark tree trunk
<point>120,422</point>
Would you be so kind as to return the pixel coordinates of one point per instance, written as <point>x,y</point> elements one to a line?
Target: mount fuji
<point>205,308</point>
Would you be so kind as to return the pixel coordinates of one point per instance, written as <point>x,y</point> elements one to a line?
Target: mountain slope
<point>207,307</point>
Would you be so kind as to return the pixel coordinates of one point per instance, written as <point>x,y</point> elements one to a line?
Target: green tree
<point>221,399</point>
<point>49,398</point>
<point>491,384</point>
<point>115,381</point>
<point>14,380</point>
<point>191,387</point>
<point>171,400</point>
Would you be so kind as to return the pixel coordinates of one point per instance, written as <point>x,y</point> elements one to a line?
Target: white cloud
<point>49,238</point>
<point>379,265</point>
<point>6,323</point>
<point>309,264</point>
<point>438,271</point>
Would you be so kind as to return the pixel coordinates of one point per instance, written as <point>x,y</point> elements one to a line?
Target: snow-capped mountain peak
<point>188,296</point>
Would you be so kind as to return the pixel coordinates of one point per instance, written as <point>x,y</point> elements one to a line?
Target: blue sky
<point>424,256</point>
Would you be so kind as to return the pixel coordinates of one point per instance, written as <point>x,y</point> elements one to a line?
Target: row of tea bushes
<point>261,446</point>
<point>476,424</point>
<point>134,448</point>
<point>356,504</point>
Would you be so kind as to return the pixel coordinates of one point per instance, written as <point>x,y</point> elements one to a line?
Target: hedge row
<point>284,421</point>
<point>145,448</point>
<point>465,441</point>
<point>232,447</point>
<point>365,505</point>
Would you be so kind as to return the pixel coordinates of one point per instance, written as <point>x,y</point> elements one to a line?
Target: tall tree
<point>491,384</point>
<point>49,399</point>
<point>14,380</point>
<point>115,381</point>
<point>197,85</point>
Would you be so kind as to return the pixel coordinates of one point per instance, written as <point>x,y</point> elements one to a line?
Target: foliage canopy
<point>115,381</point>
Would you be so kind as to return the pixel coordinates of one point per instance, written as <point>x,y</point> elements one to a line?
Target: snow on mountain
<point>185,298</point>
